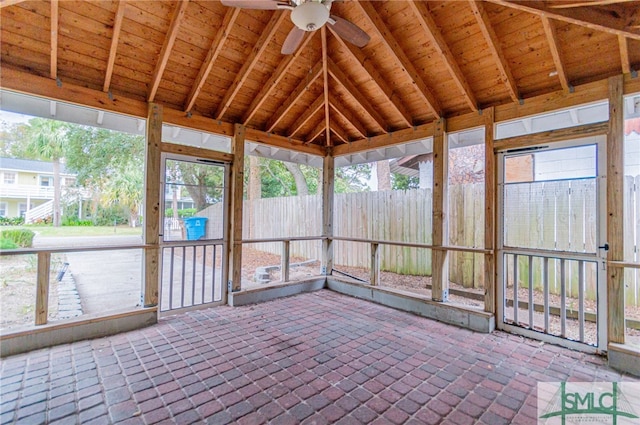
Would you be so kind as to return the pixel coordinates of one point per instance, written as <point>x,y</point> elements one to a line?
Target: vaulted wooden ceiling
<point>425,60</point>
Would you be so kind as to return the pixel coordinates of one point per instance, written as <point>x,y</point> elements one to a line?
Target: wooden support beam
<point>340,108</point>
<point>339,131</point>
<point>374,273</point>
<point>325,77</point>
<point>490,199</point>
<point>308,114</point>
<point>430,28</point>
<point>340,78</point>
<point>550,136</point>
<point>552,38</point>
<point>277,76</point>
<point>317,131</point>
<point>213,53</point>
<point>624,54</point>
<point>237,187</point>
<point>7,3</point>
<point>440,258</point>
<point>615,211</point>
<point>370,68</point>
<point>295,96</point>
<point>285,261</point>
<point>152,176</point>
<point>386,140</point>
<point>42,290</point>
<point>494,47</point>
<point>250,62</point>
<point>115,38</point>
<point>401,58</point>
<point>54,40</point>
<point>170,39</point>
<point>328,187</point>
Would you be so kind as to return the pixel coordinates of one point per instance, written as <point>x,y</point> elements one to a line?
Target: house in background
<point>26,186</point>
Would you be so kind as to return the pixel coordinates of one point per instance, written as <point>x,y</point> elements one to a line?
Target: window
<point>22,209</point>
<point>9,178</point>
<point>46,181</point>
<point>69,181</point>
<point>3,209</point>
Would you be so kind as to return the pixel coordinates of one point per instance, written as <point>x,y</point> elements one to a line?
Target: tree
<point>383,173</point>
<point>404,182</point>
<point>301,182</point>
<point>46,140</point>
<point>124,189</point>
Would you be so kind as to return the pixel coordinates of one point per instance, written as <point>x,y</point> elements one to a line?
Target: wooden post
<point>328,183</point>
<point>237,186</point>
<point>615,211</point>
<point>284,261</point>
<point>440,258</point>
<point>375,264</point>
<point>490,192</point>
<point>42,291</point>
<point>152,176</point>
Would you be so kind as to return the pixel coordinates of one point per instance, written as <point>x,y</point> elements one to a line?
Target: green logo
<point>577,402</point>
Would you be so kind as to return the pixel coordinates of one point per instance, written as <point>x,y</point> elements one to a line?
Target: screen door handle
<point>605,247</point>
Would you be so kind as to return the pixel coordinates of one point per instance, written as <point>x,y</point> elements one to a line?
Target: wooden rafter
<point>169,40</point>
<point>250,62</point>
<point>401,57</point>
<point>339,132</point>
<point>433,32</point>
<point>115,37</point>
<point>304,118</point>
<point>339,76</point>
<point>624,54</point>
<point>494,46</point>
<point>597,19</point>
<point>347,115</point>
<point>295,96</point>
<point>7,3</point>
<point>369,67</point>
<point>54,39</point>
<point>274,80</point>
<point>325,77</point>
<point>587,3</point>
<point>317,131</point>
<point>552,38</point>
<point>212,55</point>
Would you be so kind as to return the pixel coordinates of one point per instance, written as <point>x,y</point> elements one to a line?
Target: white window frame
<point>3,209</point>
<point>9,173</point>
<point>42,178</point>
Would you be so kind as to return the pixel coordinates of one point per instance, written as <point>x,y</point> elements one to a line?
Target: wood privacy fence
<point>555,215</point>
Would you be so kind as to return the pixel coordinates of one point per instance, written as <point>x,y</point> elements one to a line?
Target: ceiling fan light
<point>310,16</point>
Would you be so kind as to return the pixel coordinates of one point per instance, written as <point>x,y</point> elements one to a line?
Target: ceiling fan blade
<point>252,4</point>
<point>349,31</point>
<point>292,41</point>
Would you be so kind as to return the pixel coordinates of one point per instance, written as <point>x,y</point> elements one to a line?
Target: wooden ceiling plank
<point>552,38</point>
<point>215,49</point>
<point>54,39</point>
<point>348,116</point>
<point>317,131</point>
<point>295,96</point>
<point>170,39</point>
<point>433,32</point>
<point>304,118</point>
<point>345,82</point>
<point>325,77</point>
<point>339,132</point>
<point>375,76</point>
<point>494,46</point>
<point>274,80</point>
<point>599,20</point>
<point>250,62</point>
<point>401,57</point>
<point>6,3</point>
<point>117,26</point>
<point>624,54</point>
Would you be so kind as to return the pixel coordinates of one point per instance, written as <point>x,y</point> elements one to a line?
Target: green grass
<point>79,230</point>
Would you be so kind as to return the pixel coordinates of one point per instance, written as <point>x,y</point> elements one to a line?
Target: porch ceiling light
<point>310,16</point>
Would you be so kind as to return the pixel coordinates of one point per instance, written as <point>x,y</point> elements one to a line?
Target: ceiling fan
<point>307,15</point>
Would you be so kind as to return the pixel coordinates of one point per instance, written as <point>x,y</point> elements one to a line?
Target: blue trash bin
<point>195,227</point>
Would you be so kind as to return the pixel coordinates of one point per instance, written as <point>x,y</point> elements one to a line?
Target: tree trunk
<point>254,190</point>
<point>301,183</point>
<point>57,192</point>
<point>383,172</point>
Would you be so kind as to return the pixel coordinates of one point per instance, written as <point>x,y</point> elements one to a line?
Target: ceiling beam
<point>347,115</point>
<point>387,140</point>
<point>339,76</point>
<point>339,132</point>
<point>295,96</point>
<point>429,26</point>
<point>169,40</point>
<point>115,37</point>
<point>401,58</point>
<point>215,49</point>
<point>277,76</point>
<point>6,3</point>
<point>369,67</point>
<point>317,131</point>
<point>494,46</point>
<point>552,38</point>
<point>624,54</point>
<point>54,39</point>
<point>250,62</point>
<point>598,19</point>
<point>308,113</point>
<point>325,77</point>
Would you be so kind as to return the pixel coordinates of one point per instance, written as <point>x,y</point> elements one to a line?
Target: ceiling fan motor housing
<point>310,16</point>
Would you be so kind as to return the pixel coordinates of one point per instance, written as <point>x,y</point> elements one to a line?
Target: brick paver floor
<point>315,358</point>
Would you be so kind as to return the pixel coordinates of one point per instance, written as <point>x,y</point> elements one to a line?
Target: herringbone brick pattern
<point>315,358</point>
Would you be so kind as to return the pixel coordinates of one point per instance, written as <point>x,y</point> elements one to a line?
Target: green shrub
<point>7,244</point>
<point>73,221</point>
<point>11,221</point>
<point>23,238</point>
<point>184,213</point>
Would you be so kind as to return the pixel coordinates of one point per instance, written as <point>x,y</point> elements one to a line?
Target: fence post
<point>42,290</point>
<point>284,261</point>
<point>375,264</point>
